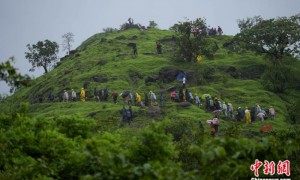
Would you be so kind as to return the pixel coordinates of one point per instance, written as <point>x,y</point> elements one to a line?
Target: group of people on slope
<point>63,96</point>
<point>158,48</point>
<point>249,115</point>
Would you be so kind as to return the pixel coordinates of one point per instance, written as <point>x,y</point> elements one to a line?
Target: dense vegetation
<point>72,140</point>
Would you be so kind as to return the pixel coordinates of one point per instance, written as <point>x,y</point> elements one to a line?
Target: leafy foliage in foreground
<point>11,77</point>
<point>42,149</point>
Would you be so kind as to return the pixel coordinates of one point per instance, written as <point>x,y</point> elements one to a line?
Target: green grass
<point>100,58</point>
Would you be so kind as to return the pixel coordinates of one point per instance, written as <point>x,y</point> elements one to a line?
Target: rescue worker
<point>261,116</point>
<point>73,95</point>
<point>172,95</point>
<point>216,123</point>
<point>114,95</point>
<point>183,82</point>
<point>247,116</point>
<point>153,98</point>
<point>258,108</point>
<point>197,100</point>
<point>224,108</point>
<point>65,96</point>
<point>272,112</point>
<point>138,99</point>
<point>253,113</point>
<point>82,95</point>
<point>230,110</point>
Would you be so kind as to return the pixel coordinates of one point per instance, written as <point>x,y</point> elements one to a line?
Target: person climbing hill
<point>247,116</point>
<point>197,100</point>
<point>183,82</point>
<point>153,98</point>
<point>240,114</point>
<point>138,99</point>
<point>114,95</point>
<point>82,95</point>
<point>66,96</point>
<point>272,112</point>
<point>158,48</point>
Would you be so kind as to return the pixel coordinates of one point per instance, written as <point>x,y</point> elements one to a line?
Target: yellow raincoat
<point>82,94</point>
<point>138,98</point>
<point>247,116</point>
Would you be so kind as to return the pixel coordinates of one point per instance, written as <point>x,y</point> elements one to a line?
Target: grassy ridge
<point>108,56</point>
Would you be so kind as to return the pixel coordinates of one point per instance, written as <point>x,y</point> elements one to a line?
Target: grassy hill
<point>85,140</point>
<point>107,58</point>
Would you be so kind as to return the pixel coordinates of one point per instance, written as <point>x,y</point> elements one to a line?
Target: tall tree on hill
<point>274,38</point>
<point>279,40</point>
<point>11,77</point>
<point>42,54</point>
<point>190,47</point>
<point>68,38</point>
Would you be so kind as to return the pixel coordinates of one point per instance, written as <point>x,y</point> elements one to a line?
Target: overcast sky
<point>25,22</point>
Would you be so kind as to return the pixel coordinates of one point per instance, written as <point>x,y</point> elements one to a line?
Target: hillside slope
<point>106,60</point>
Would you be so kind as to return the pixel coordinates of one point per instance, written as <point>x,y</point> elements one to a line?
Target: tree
<point>110,30</point>
<point>68,38</point>
<point>11,77</point>
<point>42,54</point>
<point>274,38</point>
<point>190,47</point>
<point>152,25</point>
<point>278,39</point>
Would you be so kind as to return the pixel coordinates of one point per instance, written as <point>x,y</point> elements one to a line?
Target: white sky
<point>25,22</point>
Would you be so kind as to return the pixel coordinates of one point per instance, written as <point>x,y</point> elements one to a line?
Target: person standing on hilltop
<point>220,31</point>
<point>82,95</point>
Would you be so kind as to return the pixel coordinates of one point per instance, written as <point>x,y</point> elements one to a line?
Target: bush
<point>74,126</point>
<point>276,78</point>
<point>110,30</point>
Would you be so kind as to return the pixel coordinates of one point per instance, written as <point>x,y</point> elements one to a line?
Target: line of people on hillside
<point>249,114</point>
<point>183,95</point>
<point>214,105</point>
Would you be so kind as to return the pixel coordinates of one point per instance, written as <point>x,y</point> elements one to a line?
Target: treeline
<point>69,147</point>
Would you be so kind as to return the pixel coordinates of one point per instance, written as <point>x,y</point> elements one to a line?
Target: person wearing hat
<point>272,112</point>
<point>73,95</point>
<point>82,95</point>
